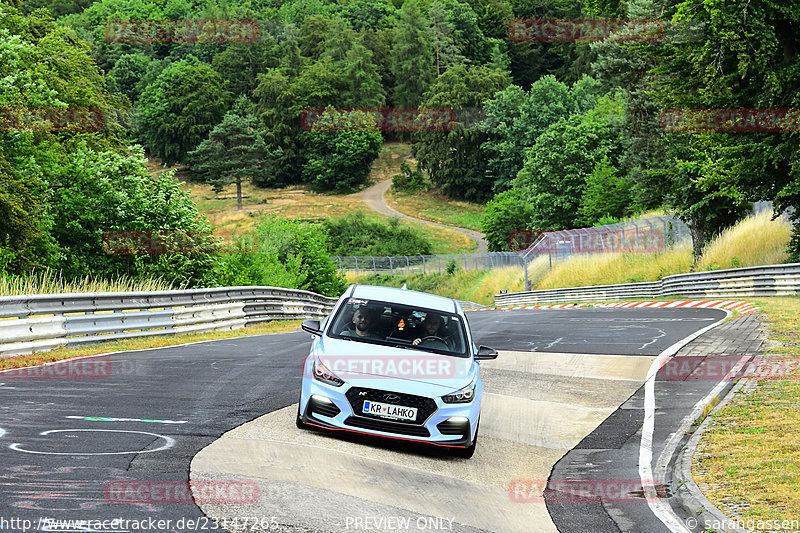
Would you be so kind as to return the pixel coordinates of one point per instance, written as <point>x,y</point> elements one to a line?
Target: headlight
<point>464,395</point>
<point>321,373</point>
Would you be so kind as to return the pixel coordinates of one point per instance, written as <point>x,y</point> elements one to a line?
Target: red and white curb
<point>739,306</point>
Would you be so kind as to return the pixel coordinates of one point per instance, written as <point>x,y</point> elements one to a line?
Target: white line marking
<point>659,507</point>
<point>554,342</point>
<point>169,442</point>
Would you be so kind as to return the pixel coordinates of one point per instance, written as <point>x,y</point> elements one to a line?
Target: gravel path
<point>373,196</point>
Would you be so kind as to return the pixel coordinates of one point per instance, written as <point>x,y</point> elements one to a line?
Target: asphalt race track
<point>566,380</point>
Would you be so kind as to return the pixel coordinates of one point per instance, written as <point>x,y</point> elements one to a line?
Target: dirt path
<point>373,197</point>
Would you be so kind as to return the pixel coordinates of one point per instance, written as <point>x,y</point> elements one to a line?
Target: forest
<point>548,133</point>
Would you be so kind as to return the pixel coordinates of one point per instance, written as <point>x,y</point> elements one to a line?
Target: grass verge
<point>59,354</point>
<point>750,455</point>
<point>432,206</point>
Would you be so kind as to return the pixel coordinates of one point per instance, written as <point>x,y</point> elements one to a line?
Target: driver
<point>432,326</point>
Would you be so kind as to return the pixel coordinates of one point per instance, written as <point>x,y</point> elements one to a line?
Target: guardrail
<point>768,280</point>
<point>34,323</point>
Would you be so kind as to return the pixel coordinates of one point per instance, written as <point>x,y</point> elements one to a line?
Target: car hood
<point>385,367</point>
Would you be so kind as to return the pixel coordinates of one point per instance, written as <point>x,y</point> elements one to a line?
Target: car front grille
<point>425,406</point>
<point>388,427</point>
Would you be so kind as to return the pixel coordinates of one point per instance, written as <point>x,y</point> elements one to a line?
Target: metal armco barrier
<point>768,280</point>
<point>34,323</point>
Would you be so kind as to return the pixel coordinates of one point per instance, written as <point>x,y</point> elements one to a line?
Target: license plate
<point>389,410</point>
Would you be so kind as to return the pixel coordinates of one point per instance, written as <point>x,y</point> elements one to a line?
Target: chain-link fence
<point>648,235</point>
<point>428,264</point>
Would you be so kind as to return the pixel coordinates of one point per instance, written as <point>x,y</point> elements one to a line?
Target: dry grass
<point>278,326</point>
<point>300,202</point>
<point>606,269</point>
<point>754,241</point>
<point>757,240</point>
<point>49,282</point>
<point>750,456</point>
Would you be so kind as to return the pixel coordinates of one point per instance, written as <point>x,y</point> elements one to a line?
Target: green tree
<point>745,57</point>
<point>606,195</point>
<point>234,151</point>
<point>341,160</point>
<point>412,56</point>
<point>555,178</point>
<point>99,196</point>
<point>507,212</point>
<point>180,108</point>
<point>453,159</point>
<point>515,119</point>
<point>446,50</point>
<point>130,74</point>
<point>364,81</point>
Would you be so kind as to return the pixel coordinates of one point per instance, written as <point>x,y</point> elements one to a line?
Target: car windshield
<point>404,326</point>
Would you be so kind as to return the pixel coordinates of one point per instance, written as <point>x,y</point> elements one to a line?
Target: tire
<point>469,451</point>
<point>299,420</point>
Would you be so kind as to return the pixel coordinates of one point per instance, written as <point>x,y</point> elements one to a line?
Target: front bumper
<point>327,407</point>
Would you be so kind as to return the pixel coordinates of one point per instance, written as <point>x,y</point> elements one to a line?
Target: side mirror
<point>311,326</point>
<point>484,352</point>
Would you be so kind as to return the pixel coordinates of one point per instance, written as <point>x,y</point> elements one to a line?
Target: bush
<point>410,180</point>
<point>507,212</point>
<point>451,267</point>
<point>355,234</point>
<point>282,253</point>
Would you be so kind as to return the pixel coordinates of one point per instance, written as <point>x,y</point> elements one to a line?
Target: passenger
<point>363,321</point>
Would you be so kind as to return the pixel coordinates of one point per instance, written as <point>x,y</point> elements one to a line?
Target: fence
<point>427,264</point>
<point>769,280</point>
<point>76,319</point>
<point>647,235</point>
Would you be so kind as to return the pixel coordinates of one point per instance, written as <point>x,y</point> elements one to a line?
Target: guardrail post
<point>525,269</point>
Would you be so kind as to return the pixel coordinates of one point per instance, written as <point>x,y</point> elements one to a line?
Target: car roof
<point>403,296</point>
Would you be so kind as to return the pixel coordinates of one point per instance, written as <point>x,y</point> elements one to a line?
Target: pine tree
<point>365,88</point>
<point>233,152</point>
<point>412,56</point>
